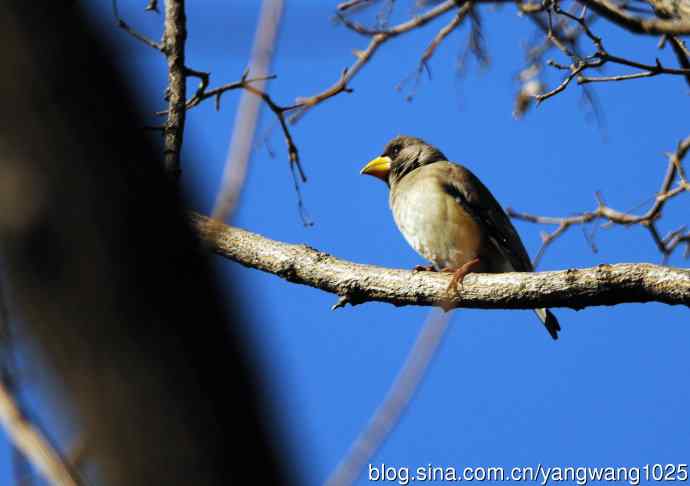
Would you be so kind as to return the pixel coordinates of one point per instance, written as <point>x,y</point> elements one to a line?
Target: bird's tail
<point>550,321</point>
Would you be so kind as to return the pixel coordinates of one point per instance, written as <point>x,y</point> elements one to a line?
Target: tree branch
<point>358,283</point>
<point>378,37</point>
<point>138,36</point>
<point>638,25</point>
<point>599,59</point>
<point>174,38</point>
<point>612,216</point>
<point>33,444</point>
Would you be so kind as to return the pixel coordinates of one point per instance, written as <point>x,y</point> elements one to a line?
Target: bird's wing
<point>478,201</point>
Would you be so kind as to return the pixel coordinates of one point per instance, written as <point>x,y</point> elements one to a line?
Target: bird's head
<point>401,156</point>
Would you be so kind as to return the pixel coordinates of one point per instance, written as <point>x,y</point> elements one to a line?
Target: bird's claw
<point>459,275</point>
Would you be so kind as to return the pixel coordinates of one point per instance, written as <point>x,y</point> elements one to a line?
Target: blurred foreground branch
<point>358,283</point>
<point>31,442</point>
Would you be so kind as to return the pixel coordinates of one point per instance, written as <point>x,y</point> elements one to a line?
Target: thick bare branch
<point>174,39</point>
<point>574,288</point>
<point>638,25</point>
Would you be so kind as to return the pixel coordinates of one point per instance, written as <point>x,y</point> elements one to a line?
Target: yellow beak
<point>379,167</point>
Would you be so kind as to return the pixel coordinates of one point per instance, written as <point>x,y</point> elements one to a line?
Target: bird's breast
<point>435,224</point>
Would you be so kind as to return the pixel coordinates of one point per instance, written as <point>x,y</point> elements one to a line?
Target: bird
<point>449,216</point>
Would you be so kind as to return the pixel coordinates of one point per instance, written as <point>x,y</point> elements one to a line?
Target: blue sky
<point>611,391</point>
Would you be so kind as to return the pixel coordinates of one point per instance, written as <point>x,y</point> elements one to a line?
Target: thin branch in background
<point>561,35</point>
<point>173,47</point>
<point>202,93</point>
<point>384,15</point>
<point>250,85</point>
<point>353,4</point>
<point>387,415</point>
<point>476,44</point>
<point>127,28</point>
<point>247,115</point>
<point>674,174</point>
<point>433,45</point>
<point>600,58</point>
<point>682,54</point>
<point>152,6</point>
<point>378,38</point>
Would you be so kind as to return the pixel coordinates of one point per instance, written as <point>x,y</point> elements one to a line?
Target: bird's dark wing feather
<point>478,201</point>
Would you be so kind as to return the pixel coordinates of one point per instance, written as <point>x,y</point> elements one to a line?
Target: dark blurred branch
<point>682,54</point>
<point>357,283</point>
<point>111,313</point>
<point>31,442</point>
<point>152,6</point>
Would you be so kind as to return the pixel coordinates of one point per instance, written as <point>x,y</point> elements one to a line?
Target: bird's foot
<point>459,274</point>
<point>424,268</point>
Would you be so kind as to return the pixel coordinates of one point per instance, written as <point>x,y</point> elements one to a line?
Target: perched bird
<point>448,216</point>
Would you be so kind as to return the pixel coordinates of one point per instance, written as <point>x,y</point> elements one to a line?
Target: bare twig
<point>442,34</point>
<point>667,191</point>
<point>152,6</point>
<point>353,4</point>
<point>597,60</point>
<point>127,28</point>
<point>378,38</point>
<point>250,84</point>
<point>202,93</point>
<point>682,54</point>
<point>433,45</point>
<point>575,71</point>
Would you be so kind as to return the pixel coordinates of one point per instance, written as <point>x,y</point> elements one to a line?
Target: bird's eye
<point>394,151</point>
